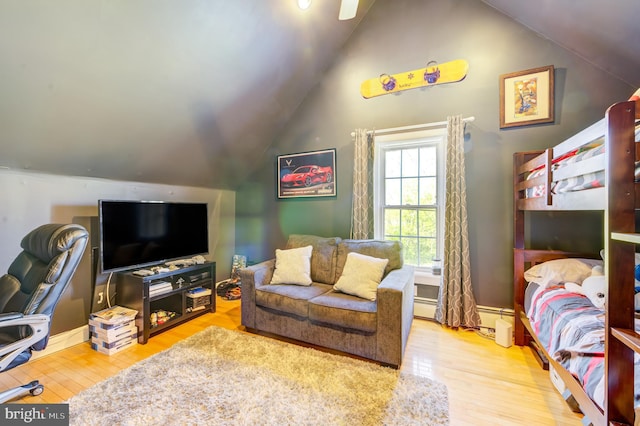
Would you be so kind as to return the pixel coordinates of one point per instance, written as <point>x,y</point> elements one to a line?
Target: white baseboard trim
<point>63,340</point>
<point>426,308</point>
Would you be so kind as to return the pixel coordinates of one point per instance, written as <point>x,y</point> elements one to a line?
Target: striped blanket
<point>576,183</point>
<point>572,331</point>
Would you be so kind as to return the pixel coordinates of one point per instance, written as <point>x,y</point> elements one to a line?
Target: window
<point>409,194</point>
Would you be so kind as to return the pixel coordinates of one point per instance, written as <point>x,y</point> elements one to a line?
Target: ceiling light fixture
<point>348,9</point>
<point>304,4</point>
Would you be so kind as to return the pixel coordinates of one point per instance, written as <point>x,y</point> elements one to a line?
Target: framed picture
<point>307,174</point>
<point>526,97</point>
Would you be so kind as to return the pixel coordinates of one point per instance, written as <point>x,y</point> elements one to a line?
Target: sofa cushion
<point>292,299</point>
<point>293,266</point>
<point>361,275</point>
<point>391,250</point>
<point>344,310</point>
<point>323,257</point>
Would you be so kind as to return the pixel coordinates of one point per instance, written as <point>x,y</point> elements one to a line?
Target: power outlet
<point>99,298</point>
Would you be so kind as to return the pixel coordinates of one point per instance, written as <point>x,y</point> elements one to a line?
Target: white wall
<point>28,200</point>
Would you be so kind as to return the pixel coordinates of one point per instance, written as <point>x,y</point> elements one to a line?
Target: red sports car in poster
<point>305,176</point>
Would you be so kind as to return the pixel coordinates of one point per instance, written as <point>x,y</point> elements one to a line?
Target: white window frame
<point>434,136</point>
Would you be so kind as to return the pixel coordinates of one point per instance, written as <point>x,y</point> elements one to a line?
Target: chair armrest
<point>252,277</point>
<point>9,316</point>
<point>39,324</point>
<point>395,314</point>
<point>11,319</point>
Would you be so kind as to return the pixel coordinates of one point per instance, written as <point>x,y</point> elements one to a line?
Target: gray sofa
<point>317,314</point>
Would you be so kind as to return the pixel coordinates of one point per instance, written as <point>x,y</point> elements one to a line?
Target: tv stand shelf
<point>133,291</point>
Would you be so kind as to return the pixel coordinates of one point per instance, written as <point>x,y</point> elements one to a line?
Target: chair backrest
<point>42,271</point>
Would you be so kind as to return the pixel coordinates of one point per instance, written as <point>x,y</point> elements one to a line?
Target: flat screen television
<point>137,234</point>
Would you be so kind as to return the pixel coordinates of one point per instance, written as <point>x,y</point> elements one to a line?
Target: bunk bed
<point>593,170</point>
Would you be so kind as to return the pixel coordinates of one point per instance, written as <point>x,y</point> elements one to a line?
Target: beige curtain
<point>456,304</point>
<point>362,208</point>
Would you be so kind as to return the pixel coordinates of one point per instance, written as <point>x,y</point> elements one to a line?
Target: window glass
<point>409,222</point>
<point>428,191</point>
<point>393,163</point>
<point>392,224</point>
<point>392,192</point>
<point>409,192</point>
<point>428,163</point>
<point>410,158</point>
<point>410,250</point>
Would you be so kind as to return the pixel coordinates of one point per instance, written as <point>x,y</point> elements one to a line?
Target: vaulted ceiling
<point>193,92</point>
<point>606,34</point>
<point>182,92</point>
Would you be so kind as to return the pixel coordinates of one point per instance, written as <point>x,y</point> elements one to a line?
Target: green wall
<point>401,35</point>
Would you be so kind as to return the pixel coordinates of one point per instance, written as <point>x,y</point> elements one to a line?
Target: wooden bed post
<point>521,338</point>
<point>620,262</point>
<point>518,245</point>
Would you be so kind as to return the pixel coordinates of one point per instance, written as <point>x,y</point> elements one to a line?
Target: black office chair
<point>30,291</point>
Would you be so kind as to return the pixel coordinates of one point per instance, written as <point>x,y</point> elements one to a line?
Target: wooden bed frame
<point>619,200</point>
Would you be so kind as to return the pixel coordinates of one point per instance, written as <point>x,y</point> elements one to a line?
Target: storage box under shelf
<point>197,300</point>
<point>113,334</point>
<point>112,317</point>
<point>110,348</point>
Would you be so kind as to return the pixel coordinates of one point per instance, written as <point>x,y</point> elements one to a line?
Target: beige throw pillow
<point>293,266</point>
<point>361,276</point>
<point>554,272</point>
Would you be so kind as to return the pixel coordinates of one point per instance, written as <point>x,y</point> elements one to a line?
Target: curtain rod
<point>414,127</point>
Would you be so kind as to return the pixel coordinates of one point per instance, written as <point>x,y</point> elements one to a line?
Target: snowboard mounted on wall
<point>431,75</point>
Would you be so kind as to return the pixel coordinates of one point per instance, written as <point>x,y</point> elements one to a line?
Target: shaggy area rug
<point>224,377</point>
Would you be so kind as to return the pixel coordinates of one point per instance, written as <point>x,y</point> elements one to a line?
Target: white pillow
<point>361,276</point>
<point>293,266</point>
<point>557,271</point>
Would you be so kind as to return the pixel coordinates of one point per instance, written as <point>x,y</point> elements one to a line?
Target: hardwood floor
<point>487,384</point>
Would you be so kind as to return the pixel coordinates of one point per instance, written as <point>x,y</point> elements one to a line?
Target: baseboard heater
<point>426,307</point>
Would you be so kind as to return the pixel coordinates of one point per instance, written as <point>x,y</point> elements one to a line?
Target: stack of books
<point>113,329</point>
<point>198,298</point>
<point>160,287</point>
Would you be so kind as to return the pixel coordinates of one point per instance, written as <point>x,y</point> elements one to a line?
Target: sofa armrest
<point>252,277</point>
<point>395,314</point>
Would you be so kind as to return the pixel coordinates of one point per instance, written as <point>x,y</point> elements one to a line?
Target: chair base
<point>34,388</point>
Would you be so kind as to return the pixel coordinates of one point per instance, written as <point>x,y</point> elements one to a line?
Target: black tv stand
<point>174,292</point>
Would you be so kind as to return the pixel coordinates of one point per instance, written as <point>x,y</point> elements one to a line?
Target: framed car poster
<point>307,174</point>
